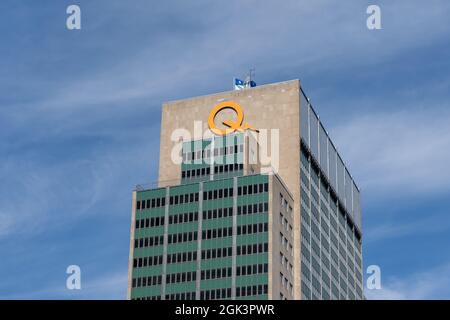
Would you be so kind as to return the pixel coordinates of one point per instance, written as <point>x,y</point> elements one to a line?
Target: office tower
<point>254,202</point>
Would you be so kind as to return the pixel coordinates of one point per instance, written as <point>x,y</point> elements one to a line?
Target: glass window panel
<point>314,132</point>
<point>197,146</point>
<point>357,207</point>
<point>340,179</point>
<point>323,150</point>
<point>348,193</point>
<point>332,165</point>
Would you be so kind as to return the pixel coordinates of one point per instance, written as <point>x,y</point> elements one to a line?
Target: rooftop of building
<point>293,82</point>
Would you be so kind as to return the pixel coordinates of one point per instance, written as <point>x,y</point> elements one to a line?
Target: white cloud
<point>397,153</point>
<point>430,284</point>
<point>37,196</point>
<point>273,37</point>
<point>109,286</point>
<point>406,228</point>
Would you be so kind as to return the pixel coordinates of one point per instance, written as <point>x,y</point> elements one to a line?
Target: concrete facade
<point>132,230</point>
<point>276,248</point>
<point>272,106</point>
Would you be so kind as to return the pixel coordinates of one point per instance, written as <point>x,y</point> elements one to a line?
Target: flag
<point>238,84</point>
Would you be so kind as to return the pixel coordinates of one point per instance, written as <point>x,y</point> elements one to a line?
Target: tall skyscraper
<point>253,202</point>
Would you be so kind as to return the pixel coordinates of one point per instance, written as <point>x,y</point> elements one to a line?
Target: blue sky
<point>80,113</point>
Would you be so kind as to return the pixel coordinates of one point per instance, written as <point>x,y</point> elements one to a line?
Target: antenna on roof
<point>249,80</point>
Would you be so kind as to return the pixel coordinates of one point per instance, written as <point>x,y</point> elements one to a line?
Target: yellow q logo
<point>232,125</point>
